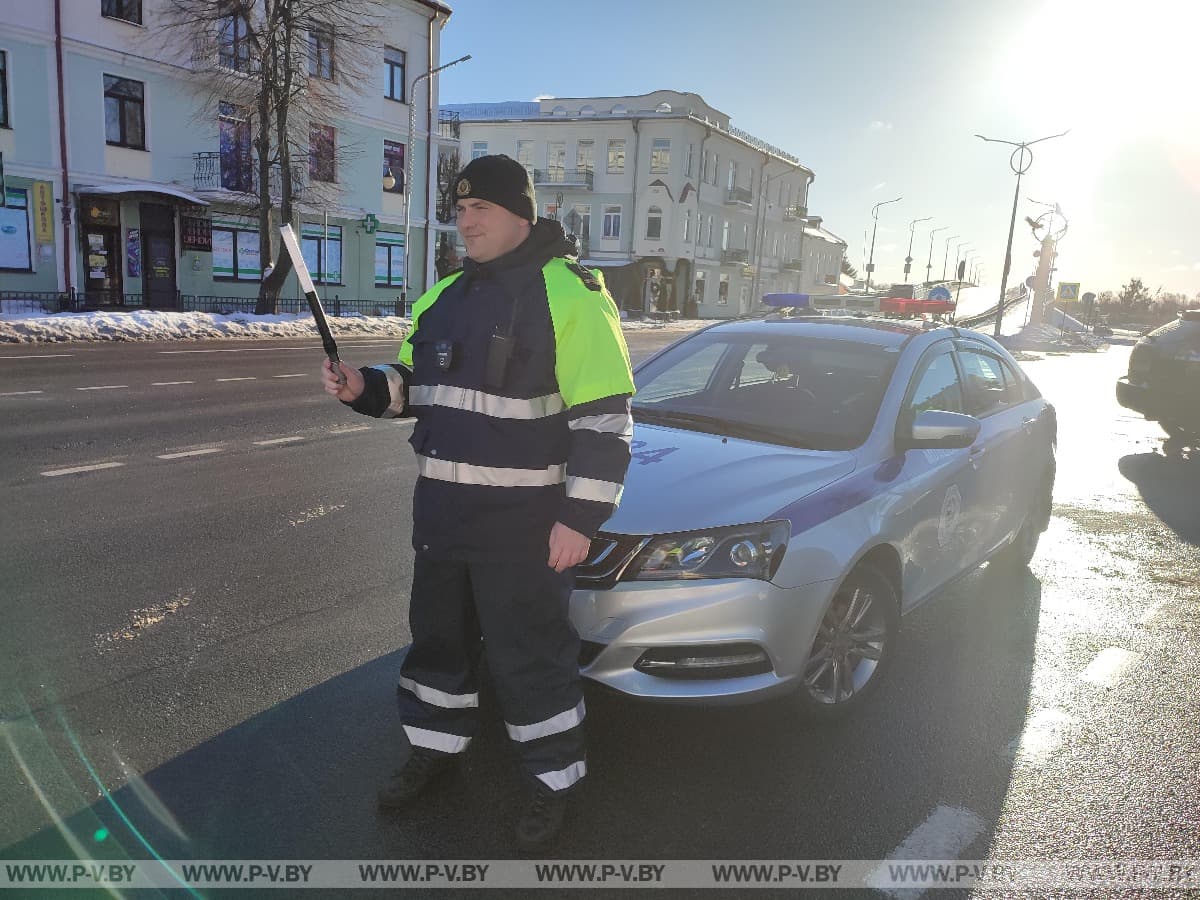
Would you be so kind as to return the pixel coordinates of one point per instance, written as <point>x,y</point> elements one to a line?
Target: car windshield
<point>807,392</point>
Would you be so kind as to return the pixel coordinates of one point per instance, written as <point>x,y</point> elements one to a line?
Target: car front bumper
<point>1134,396</point>
<point>698,618</point>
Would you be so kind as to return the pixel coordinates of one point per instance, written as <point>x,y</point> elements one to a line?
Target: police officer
<point>518,375</point>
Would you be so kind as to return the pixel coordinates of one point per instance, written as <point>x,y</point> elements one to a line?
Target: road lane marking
<point>235,350</point>
<point>77,469</point>
<point>168,383</point>
<point>301,375</point>
<point>1108,666</point>
<point>40,356</point>
<point>1044,732</point>
<point>351,429</point>
<point>282,440</point>
<point>19,393</point>
<point>241,378</point>
<point>203,452</point>
<point>944,835</point>
<point>103,387</point>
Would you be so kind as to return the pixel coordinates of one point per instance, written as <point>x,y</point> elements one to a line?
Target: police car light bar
<point>796,301</point>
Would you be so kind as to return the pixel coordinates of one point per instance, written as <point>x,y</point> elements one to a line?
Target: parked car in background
<point>797,484</point>
<point>1163,383</point>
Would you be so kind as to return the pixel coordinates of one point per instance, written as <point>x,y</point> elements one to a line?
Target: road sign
<point>940,293</point>
<point>1068,290</point>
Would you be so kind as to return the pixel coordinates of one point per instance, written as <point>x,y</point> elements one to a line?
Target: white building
<point>683,211</point>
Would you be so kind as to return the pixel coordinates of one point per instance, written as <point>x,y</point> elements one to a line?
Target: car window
<point>687,372</point>
<point>937,387</point>
<point>983,376</point>
<point>1014,384</point>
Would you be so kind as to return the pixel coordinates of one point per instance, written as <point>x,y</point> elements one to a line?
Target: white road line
<point>351,429</point>
<point>242,378</point>
<point>169,383</point>
<point>301,375</point>
<point>284,440</point>
<point>1045,731</point>
<point>103,387</point>
<point>236,350</point>
<point>1108,666</point>
<point>40,356</point>
<point>19,393</point>
<point>77,469</point>
<point>944,835</point>
<point>191,453</point>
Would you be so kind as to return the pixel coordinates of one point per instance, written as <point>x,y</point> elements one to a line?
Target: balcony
<point>792,213</point>
<point>238,174</point>
<point>448,125</point>
<point>575,178</point>
<point>735,256</point>
<point>796,265</point>
<point>739,196</point>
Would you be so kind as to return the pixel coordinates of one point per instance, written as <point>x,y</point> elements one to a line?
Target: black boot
<point>421,769</point>
<point>542,822</point>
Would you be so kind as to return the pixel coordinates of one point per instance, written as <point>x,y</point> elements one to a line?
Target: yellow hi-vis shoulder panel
<point>591,359</point>
<point>426,300</point>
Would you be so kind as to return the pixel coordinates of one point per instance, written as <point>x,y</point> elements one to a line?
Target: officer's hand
<point>353,384</point>
<point>567,547</point>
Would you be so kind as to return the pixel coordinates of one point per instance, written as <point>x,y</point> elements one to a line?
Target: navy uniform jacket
<point>500,464</point>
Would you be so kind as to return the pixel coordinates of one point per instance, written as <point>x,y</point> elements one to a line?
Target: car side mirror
<point>936,429</point>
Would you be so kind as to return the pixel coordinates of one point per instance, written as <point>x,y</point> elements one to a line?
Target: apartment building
<point>682,210</point>
<point>138,188</point>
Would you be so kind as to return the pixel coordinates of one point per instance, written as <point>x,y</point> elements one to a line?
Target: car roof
<point>892,333</point>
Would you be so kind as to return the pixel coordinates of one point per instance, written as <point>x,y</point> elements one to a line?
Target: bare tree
<point>288,68</point>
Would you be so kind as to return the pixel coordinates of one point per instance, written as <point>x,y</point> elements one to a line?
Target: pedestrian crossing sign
<point>1068,290</point>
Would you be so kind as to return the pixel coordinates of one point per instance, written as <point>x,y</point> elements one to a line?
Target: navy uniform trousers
<point>520,611</point>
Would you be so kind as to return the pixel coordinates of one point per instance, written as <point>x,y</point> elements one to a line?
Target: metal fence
<point>34,302</point>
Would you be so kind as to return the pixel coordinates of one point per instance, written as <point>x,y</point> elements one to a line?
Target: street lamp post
<point>946,255</point>
<point>875,216</point>
<point>912,230</point>
<point>408,164</point>
<point>929,260</point>
<point>1020,161</point>
<point>957,251</point>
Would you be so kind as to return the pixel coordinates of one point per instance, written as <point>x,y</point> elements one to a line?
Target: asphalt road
<point>199,651</point>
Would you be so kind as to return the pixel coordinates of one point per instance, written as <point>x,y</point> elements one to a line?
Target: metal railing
<point>334,306</point>
<point>238,174</point>
<point>734,256</point>
<point>739,195</point>
<point>449,125</point>
<point>565,177</point>
<point>792,213</point>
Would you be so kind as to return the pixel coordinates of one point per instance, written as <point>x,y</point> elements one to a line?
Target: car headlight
<point>745,551</point>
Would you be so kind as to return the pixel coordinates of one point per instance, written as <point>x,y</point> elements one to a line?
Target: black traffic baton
<point>314,302</point>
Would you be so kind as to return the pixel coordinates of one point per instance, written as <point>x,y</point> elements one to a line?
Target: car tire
<point>853,647</point>
<point>1019,554</point>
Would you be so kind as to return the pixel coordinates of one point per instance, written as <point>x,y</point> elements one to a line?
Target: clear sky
<point>882,98</point>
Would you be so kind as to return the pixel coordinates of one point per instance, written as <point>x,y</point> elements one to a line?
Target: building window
<point>393,66</point>
<point>687,227</point>
<point>4,120</point>
<point>710,232</point>
<point>125,10</point>
<point>234,49</point>
<point>654,223</point>
<point>14,233</point>
<point>525,155</point>
<point>744,299</point>
<point>716,168</point>
<point>616,157</point>
<point>579,221</point>
<point>745,237</point>
<point>723,291</point>
<point>612,223</point>
<point>237,162</point>
<point>320,54</point>
<point>322,142</point>
<point>389,260</point>
<point>556,160</point>
<point>323,257</point>
<point>478,149</point>
<point>660,156</point>
<point>393,161</point>
<point>235,254</point>
<point>698,288</point>
<point>585,156</point>
<point>124,112</point>
<point>687,167</point>
<point>704,167</point>
<point>732,175</point>
<point>725,235</point>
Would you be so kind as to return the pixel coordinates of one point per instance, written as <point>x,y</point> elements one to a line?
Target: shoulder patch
<point>589,280</point>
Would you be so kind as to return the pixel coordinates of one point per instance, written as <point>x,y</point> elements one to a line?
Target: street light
<point>408,163</point>
<point>875,216</point>
<point>946,255</point>
<point>958,250</point>
<point>1020,161</point>
<point>929,261</point>
<point>912,230</point>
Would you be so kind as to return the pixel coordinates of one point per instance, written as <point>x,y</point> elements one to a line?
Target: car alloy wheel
<point>853,644</point>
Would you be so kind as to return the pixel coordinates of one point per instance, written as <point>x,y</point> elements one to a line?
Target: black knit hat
<point>501,180</point>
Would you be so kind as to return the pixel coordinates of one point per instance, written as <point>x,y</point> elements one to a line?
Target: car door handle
<point>976,455</point>
<point>1028,424</point>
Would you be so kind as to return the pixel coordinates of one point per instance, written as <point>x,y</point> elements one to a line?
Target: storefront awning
<point>141,187</point>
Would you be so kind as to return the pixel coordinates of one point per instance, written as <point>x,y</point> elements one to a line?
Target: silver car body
<point>927,516</point>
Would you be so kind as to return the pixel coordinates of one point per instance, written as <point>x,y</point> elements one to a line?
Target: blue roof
<point>882,332</point>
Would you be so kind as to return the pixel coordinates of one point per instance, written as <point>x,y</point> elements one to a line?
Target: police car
<point>798,482</point>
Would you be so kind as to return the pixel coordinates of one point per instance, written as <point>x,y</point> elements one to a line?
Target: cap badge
<point>464,187</point>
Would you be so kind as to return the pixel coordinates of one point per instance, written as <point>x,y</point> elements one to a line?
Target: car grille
<point>607,559</point>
